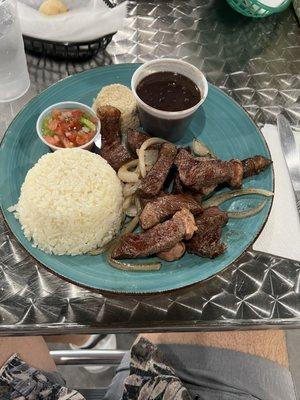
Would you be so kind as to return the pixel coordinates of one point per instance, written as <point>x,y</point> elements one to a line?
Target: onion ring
<point>147,143</point>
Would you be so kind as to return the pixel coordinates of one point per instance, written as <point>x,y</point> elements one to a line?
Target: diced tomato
<point>77,113</point>
<point>49,139</point>
<point>63,126</point>
<point>89,136</point>
<point>54,140</point>
<point>72,137</point>
<point>59,131</point>
<point>56,112</point>
<point>81,139</point>
<point>75,125</point>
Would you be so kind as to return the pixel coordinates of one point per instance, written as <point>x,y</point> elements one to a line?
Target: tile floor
<point>293,343</point>
<point>73,375</point>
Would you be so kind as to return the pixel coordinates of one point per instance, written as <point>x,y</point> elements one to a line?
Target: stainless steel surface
<point>258,64</point>
<point>87,357</point>
<point>291,155</point>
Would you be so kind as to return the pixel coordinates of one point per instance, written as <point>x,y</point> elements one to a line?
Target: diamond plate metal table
<point>257,62</point>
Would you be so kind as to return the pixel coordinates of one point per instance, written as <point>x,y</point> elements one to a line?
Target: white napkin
<point>281,234</point>
<point>77,25</point>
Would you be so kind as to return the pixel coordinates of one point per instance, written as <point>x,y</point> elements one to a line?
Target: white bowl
<point>66,105</point>
<point>166,119</point>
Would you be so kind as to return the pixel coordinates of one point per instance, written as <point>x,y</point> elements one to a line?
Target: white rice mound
<point>70,202</point>
<point>121,97</point>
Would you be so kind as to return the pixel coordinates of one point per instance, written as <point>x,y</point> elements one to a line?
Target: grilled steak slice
<point>237,172</point>
<point>161,208</point>
<point>206,241</point>
<point>153,182</point>
<point>158,239</point>
<point>201,172</point>
<point>110,124</point>
<point>135,139</point>
<point>174,253</point>
<point>145,200</point>
<point>179,188</point>
<point>115,154</point>
<point>112,149</point>
<point>254,165</point>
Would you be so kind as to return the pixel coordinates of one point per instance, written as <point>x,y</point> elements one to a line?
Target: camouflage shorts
<point>19,381</point>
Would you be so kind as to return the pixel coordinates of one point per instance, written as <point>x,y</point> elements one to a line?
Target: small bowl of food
<point>168,93</point>
<point>68,124</point>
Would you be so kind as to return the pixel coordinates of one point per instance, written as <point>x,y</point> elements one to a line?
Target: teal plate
<point>221,123</point>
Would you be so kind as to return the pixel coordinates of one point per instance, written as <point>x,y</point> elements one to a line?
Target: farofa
<point>121,97</point>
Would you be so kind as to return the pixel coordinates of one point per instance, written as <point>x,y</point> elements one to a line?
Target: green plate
<point>221,123</point>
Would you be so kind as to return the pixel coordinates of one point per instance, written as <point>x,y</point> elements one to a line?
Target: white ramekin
<point>66,105</point>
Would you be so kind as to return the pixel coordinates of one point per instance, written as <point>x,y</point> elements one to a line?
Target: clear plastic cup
<point>14,77</point>
<point>170,125</point>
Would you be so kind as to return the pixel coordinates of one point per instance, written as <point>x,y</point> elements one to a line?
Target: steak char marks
<point>206,242</point>
<point>136,138</point>
<point>161,238</point>
<point>112,149</point>
<point>198,173</point>
<point>255,165</point>
<point>203,174</point>
<point>153,182</point>
<point>161,208</point>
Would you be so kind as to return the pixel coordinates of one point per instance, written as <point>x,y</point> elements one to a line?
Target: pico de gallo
<point>68,127</point>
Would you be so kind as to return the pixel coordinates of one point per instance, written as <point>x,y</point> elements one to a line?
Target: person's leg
<point>223,365</point>
<point>28,371</point>
<point>267,344</point>
<point>32,350</point>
